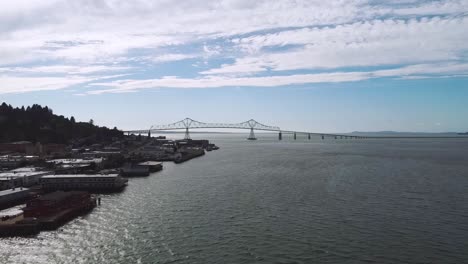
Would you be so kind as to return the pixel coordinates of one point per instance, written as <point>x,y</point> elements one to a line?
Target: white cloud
<point>433,8</point>
<point>436,69</point>
<point>93,37</point>
<point>241,66</point>
<point>14,84</point>
<point>128,85</point>
<point>63,69</point>
<point>172,57</point>
<point>373,43</point>
<point>98,30</point>
<point>223,81</point>
<point>32,84</point>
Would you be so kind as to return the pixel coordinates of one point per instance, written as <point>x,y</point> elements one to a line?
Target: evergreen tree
<point>39,124</point>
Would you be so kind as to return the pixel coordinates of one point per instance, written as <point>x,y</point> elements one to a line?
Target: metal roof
<point>11,191</point>
<point>20,174</point>
<point>80,176</point>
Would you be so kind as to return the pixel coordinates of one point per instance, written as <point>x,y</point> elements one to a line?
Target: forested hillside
<point>40,124</point>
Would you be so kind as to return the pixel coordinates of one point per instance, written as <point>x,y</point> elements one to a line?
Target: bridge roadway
<point>188,123</point>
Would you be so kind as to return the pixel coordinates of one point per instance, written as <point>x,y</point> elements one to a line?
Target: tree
<point>39,124</point>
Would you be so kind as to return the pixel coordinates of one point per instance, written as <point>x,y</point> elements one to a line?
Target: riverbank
<point>94,169</point>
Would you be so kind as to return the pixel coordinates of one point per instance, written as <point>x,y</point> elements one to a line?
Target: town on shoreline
<point>45,185</point>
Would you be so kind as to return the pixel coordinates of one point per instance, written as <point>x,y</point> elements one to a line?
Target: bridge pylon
<point>280,136</point>
<point>187,133</point>
<point>252,134</point>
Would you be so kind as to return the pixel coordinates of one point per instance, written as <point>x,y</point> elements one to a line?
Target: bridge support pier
<point>280,136</point>
<point>252,134</point>
<point>295,136</point>
<point>308,136</point>
<point>187,134</point>
<point>323,137</point>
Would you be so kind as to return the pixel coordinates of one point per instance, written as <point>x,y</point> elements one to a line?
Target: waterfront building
<point>153,166</point>
<point>74,166</point>
<point>135,170</point>
<point>14,161</point>
<point>76,161</point>
<point>187,143</point>
<point>26,177</point>
<point>9,183</point>
<point>9,162</point>
<point>13,196</point>
<point>100,154</point>
<point>53,203</point>
<point>46,212</point>
<point>163,151</point>
<point>111,182</point>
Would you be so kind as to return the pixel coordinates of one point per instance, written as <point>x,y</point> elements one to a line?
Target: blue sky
<point>325,66</point>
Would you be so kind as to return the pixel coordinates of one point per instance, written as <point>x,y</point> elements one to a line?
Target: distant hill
<point>40,124</point>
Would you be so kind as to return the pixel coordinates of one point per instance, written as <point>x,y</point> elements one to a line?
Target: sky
<point>319,66</point>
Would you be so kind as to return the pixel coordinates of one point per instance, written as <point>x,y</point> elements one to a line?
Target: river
<point>269,201</point>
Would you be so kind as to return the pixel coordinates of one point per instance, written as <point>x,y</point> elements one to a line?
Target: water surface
<point>264,201</point>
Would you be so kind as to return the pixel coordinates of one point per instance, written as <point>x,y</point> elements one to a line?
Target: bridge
<point>187,124</point>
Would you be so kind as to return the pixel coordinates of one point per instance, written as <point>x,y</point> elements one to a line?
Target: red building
<point>29,148</point>
<point>24,147</point>
<point>52,204</point>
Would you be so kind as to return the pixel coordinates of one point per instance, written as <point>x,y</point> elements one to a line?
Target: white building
<point>26,177</point>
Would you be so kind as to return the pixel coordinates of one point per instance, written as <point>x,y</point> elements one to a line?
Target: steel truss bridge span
<point>188,123</point>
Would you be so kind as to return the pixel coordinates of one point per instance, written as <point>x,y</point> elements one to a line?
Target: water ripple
<point>278,202</point>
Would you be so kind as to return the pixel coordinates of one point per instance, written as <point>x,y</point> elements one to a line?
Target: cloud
<point>98,30</point>
<point>63,69</point>
<point>435,69</point>
<point>172,57</point>
<point>248,42</point>
<point>241,66</point>
<point>15,85</point>
<point>33,84</point>
<point>128,85</point>
<point>222,81</point>
<point>432,8</point>
<point>371,43</point>
<point>30,84</point>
